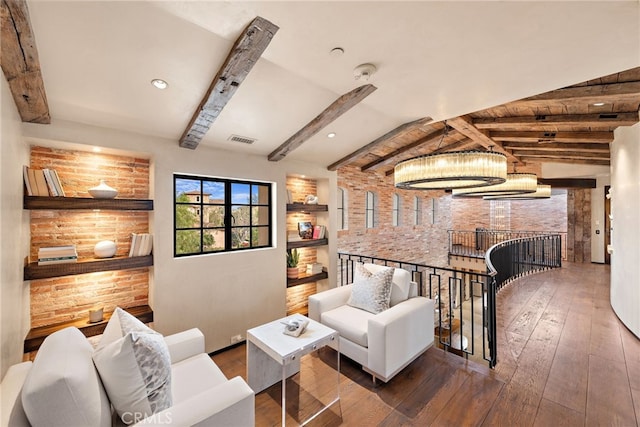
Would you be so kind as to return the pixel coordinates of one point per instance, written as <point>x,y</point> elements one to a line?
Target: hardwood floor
<point>564,359</point>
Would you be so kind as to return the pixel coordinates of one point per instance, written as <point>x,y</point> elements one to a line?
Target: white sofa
<point>73,394</point>
<point>382,343</point>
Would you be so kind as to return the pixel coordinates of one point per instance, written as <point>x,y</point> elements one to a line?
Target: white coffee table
<point>273,356</point>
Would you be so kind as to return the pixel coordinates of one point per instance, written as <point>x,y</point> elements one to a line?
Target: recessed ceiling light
<point>331,135</point>
<point>336,51</point>
<point>159,83</point>
<point>598,104</point>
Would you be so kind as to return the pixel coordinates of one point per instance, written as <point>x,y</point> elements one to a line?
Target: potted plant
<point>293,257</point>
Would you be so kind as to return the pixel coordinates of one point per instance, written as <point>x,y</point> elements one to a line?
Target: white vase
<point>103,191</point>
<point>104,249</point>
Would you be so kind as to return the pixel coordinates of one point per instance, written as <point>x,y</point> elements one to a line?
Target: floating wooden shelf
<point>301,207</point>
<point>301,280</point>
<point>36,336</point>
<point>305,243</point>
<point>39,202</point>
<point>34,271</point>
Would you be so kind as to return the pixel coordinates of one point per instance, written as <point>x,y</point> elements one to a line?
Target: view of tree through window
<point>218,215</point>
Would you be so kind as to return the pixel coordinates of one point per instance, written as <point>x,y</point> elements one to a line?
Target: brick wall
<point>67,298</point>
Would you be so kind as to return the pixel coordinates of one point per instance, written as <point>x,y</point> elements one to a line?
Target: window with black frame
<point>220,215</point>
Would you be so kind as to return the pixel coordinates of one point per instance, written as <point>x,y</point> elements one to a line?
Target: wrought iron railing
<point>465,302</point>
<point>515,258</point>
<point>476,243</point>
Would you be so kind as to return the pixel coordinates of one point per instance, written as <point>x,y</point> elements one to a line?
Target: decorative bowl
<point>103,191</point>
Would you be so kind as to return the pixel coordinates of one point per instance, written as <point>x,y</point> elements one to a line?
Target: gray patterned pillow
<point>135,368</point>
<point>371,291</point>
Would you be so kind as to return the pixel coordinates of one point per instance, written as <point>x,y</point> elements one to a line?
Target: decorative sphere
<point>105,249</point>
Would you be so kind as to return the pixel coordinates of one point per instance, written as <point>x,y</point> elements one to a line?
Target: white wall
<point>625,235</point>
<point>222,294</point>
<point>14,234</point>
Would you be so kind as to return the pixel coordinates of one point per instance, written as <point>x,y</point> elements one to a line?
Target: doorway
<point>607,224</point>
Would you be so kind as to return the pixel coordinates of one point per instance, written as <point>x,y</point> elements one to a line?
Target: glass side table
<point>273,356</point>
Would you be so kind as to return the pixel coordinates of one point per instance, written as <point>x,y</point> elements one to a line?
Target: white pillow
<point>371,291</point>
<point>400,286</point>
<point>63,387</point>
<point>135,367</point>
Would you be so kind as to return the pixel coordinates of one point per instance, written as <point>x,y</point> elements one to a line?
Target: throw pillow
<point>63,388</point>
<point>371,291</point>
<point>400,284</point>
<point>135,367</point>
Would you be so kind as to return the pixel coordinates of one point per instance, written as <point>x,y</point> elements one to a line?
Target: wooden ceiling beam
<point>568,182</point>
<point>520,136</point>
<point>363,151</point>
<point>608,93</point>
<point>595,162</point>
<point>553,122</point>
<point>20,62</point>
<point>595,148</point>
<point>243,56</point>
<point>340,106</point>
<point>432,138</point>
<point>464,125</point>
<point>562,155</point>
<point>464,144</point>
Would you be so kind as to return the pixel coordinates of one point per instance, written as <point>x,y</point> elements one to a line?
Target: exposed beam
<point>363,151</point>
<point>609,93</point>
<point>464,125</point>
<point>595,148</point>
<point>565,160</point>
<point>331,113</point>
<point>563,154</point>
<point>243,56</point>
<point>465,144</point>
<point>432,138</point>
<point>20,63</point>
<point>596,137</point>
<point>554,122</point>
<point>568,182</point>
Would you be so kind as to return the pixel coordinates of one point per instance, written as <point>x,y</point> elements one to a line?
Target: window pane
<point>240,193</point>
<point>187,216</point>
<point>187,190</point>
<point>214,216</point>
<point>213,192</point>
<point>187,242</point>
<point>240,237</point>
<point>260,215</point>
<point>259,194</point>
<point>213,240</point>
<point>259,236</point>
<point>240,215</point>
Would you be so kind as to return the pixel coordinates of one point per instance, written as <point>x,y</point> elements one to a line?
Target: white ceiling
<point>438,59</point>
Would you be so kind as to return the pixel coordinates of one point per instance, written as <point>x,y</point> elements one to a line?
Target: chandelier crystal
<point>516,183</point>
<point>456,169</point>
<point>543,192</point>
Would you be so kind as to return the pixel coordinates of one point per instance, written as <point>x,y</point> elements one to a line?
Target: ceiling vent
<point>242,139</point>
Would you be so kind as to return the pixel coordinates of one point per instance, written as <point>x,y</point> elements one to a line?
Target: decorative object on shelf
<point>103,191</point>
<point>96,315</point>
<point>293,257</point>
<point>305,229</point>
<point>57,255</point>
<point>311,200</point>
<point>104,249</point>
<point>141,244</point>
<point>315,268</point>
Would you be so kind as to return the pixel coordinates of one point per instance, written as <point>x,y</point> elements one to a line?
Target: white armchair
<point>64,388</point>
<point>382,343</point>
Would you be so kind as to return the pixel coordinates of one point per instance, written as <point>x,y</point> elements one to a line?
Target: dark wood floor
<point>564,359</point>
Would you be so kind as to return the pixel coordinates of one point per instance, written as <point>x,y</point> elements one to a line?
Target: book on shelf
<point>57,255</point>
<point>61,260</point>
<point>315,268</point>
<point>319,231</point>
<point>42,182</point>
<point>141,244</point>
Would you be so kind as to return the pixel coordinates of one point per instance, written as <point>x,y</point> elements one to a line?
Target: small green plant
<point>293,257</point>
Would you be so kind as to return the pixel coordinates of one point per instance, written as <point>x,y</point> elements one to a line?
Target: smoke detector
<point>364,71</point>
